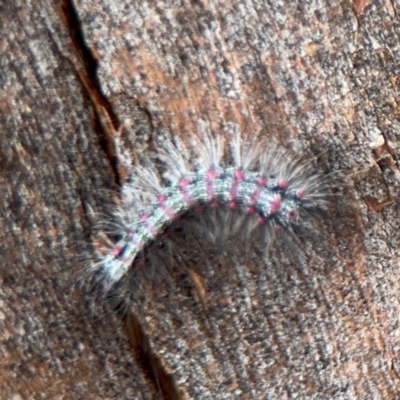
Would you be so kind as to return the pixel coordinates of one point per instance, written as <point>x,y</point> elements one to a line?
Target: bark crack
<point>106,122</point>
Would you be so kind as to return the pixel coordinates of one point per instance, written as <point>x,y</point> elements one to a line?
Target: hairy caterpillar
<point>207,198</point>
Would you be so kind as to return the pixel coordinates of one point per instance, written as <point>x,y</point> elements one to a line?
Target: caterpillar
<point>225,194</point>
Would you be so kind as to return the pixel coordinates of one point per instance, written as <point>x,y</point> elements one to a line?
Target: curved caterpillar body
<point>249,193</point>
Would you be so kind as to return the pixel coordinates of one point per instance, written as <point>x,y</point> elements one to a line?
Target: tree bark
<point>319,78</point>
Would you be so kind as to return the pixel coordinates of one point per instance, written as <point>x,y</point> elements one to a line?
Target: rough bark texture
<point>319,77</point>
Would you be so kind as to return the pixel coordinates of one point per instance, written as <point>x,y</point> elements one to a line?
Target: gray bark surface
<point>319,77</point>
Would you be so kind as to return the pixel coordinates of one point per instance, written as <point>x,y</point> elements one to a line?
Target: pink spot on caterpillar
<point>300,194</point>
<point>212,174</point>
<point>214,204</point>
<point>283,185</point>
<point>276,204</point>
<point>168,212</point>
<point>183,188</point>
<point>210,178</point>
<point>144,217</point>
<point>117,250</point>
<point>184,182</point>
<point>238,177</point>
<point>233,205</point>
<point>262,182</point>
